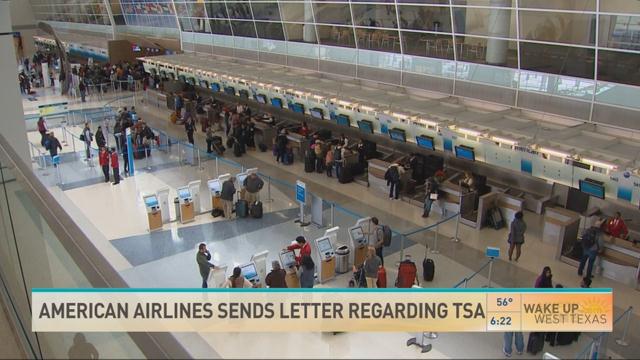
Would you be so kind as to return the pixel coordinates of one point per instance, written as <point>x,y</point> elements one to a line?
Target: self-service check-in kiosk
<point>163,199</point>
<point>194,187</point>
<point>250,272</point>
<point>215,188</point>
<point>154,213</point>
<point>260,259</point>
<point>288,261</point>
<point>359,244</point>
<point>217,276</point>
<point>186,205</point>
<point>327,259</point>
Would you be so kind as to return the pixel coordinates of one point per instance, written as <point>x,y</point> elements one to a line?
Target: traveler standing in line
<point>53,145</point>
<point>592,245</point>
<point>393,176</point>
<point>42,129</point>
<point>303,245</point>
<point>103,159</point>
<point>276,278</point>
<point>253,184</point>
<point>328,161</point>
<point>516,234</point>
<point>202,258</point>
<point>100,139</point>
<point>544,280</point>
<point>281,146</point>
<point>87,137</point>
<point>237,280</point>
<point>189,127</point>
<point>337,160</point>
<point>306,273</point>
<point>319,152</point>
<point>210,134</point>
<point>83,90</point>
<point>226,195</point>
<point>376,238</point>
<point>125,157</point>
<point>371,265</point>
<point>117,130</point>
<point>431,194</point>
<point>115,166</point>
<point>508,343</point>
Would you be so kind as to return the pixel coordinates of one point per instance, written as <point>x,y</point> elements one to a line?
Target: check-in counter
<point>264,133</point>
<point>377,168</point>
<point>560,226</point>
<point>299,144</point>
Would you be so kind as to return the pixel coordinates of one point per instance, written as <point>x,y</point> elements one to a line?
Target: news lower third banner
<point>272,310</point>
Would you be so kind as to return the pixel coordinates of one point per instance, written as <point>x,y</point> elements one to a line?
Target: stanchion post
<point>402,248</point>
<point>490,273</point>
<point>466,282</point>
<point>623,340</point>
<point>218,172</point>
<point>455,237</point>
<point>269,199</point>
<point>333,213</point>
<point>147,158</point>
<point>200,168</point>
<point>435,240</point>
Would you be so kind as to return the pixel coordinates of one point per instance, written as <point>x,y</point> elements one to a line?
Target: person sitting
<point>616,227</point>
<point>304,246</point>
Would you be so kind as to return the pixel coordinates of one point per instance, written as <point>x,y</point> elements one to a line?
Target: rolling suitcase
<point>288,157</point>
<point>309,163</point>
<point>241,208</point>
<point>237,150</point>
<point>255,210</point>
<point>495,218</point>
<point>381,282</point>
<point>428,269</point>
<point>535,344</point>
<point>346,175</point>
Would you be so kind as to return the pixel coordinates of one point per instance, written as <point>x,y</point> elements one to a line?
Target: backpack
<point>589,238</point>
<point>386,235</point>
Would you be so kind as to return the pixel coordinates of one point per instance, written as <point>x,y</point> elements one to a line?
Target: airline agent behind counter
<point>304,246</point>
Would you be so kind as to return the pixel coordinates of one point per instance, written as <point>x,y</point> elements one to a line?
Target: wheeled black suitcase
<point>237,150</point>
<point>535,344</point>
<point>309,162</point>
<point>495,218</point>
<point>255,210</point>
<point>428,269</point>
<point>346,175</point>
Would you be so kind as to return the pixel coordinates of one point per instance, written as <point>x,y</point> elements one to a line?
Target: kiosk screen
<point>184,193</point>
<point>249,271</point>
<point>366,126</point>
<point>215,186</point>
<point>317,113</point>
<point>324,245</point>
<point>425,142</point>
<point>230,90</point>
<point>288,259</point>
<point>343,120</point>
<point>241,178</point>
<point>215,87</point>
<point>358,235</point>
<point>243,94</point>
<point>398,135</point>
<point>151,201</point>
<point>592,188</point>
<point>464,152</point>
<point>261,99</point>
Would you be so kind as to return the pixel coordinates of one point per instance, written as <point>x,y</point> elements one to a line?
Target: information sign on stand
<point>301,198</point>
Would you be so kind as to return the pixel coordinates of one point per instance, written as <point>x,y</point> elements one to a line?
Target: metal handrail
<point>97,269</point>
<point>468,278</point>
<point>582,354</point>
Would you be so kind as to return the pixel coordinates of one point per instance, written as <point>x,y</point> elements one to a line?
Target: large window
<point>619,67</point>
<point>492,51</point>
<point>557,59</point>
<point>266,11</point>
<point>339,14</point>
<point>568,28</point>
<point>485,22</point>
<point>270,30</point>
<point>379,40</point>
<point>427,18</point>
<point>375,15</point>
<point>336,36</point>
<point>427,45</point>
<point>619,32</point>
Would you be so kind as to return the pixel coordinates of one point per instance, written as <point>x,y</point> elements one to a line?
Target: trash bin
<point>176,204</point>
<point>342,259</point>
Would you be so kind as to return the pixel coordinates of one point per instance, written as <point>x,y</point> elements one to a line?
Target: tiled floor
<point>116,216</point>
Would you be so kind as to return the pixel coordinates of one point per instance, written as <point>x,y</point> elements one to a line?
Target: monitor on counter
<point>425,142</point>
<point>465,152</point>
<point>204,84</point>
<point>243,94</point>
<point>343,120</point>
<point>592,187</point>
<point>182,78</point>
<point>215,87</point>
<point>297,107</point>
<point>151,201</point>
<point>184,193</point>
<point>357,234</point>
<point>366,126</point>
<point>276,102</point>
<point>398,135</point>
<point>191,81</point>
<point>230,90</point>
<point>249,271</point>
<point>261,99</point>
<point>317,113</point>
<point>288,258</point>
<point>324,245</point>
<point>241,177</point>
<point>215,186</point>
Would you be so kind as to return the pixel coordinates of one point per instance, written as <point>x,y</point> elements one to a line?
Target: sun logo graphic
<point>593,306</point>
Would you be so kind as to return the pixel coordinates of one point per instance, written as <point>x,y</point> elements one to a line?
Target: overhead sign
<point>50,109</point>
<point>301,192</point>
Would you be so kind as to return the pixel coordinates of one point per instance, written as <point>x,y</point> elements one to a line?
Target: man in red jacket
<point>303,245</point>
<point>103,159</point>
<point>115,166</point>
<point>616,227</point>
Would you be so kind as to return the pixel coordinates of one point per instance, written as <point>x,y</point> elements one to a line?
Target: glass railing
<point>42,247</point>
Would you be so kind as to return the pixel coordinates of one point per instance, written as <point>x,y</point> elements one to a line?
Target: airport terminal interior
<point>475,111</point>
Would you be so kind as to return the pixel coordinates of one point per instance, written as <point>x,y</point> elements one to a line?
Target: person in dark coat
<point>276,278</point>
<point>53,145</point>
<point>100,139</point>
<point>516,234</point>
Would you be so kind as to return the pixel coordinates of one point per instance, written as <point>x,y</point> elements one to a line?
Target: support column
<point>499,25</point>
<point>308,29</point>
